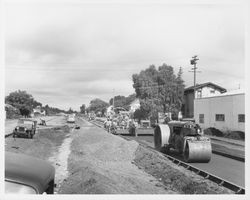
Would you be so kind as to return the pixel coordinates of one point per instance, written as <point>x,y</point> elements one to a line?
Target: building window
<point>199,95</point>
<point>220,117</point>
<point>201,118</point>
<point>212,91</point>
<point>241,118</point>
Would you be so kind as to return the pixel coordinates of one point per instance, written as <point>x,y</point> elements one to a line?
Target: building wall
<point>134,105</point>
<point>228,105</point>
<point>189,105</point>
<point>206,91</point>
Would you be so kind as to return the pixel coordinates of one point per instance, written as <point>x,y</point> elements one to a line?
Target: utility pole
<point>193,61</point>
<point>114,99</point>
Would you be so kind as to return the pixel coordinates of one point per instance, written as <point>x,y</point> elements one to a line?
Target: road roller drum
<point>184,137</point>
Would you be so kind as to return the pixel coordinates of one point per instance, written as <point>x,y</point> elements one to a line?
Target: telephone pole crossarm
<point>193,62</point>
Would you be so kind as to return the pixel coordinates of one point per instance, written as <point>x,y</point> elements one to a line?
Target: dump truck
<point>184,137</point>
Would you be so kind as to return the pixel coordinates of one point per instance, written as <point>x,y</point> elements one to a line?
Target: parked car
<point>28,175</point>
<point>26,127</point>
<point>71,119</point>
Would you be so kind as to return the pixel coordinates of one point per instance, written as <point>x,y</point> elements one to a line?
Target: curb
<point>229,156</point>
<point>229,142</point>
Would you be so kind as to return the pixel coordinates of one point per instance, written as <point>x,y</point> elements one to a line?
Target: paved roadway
<point>223,167</point>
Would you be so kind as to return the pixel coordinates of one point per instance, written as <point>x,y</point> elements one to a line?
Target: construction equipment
<point>186,138</point>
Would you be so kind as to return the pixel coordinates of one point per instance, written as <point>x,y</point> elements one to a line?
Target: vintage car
<point>26,127</point>
<point>71,119</point>
<point>28,175</point>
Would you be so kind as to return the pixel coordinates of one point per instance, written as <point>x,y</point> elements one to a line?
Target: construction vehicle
<point>184,137</point>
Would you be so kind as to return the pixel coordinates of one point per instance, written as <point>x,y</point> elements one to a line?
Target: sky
<point>66,53</point>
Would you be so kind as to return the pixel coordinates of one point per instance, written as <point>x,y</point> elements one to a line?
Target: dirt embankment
<point>100,163</point>
<point>175,177</point>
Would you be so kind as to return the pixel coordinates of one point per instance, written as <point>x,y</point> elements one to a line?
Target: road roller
<point>184,137</point>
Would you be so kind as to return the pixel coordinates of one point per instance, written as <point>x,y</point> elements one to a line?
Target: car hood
<point>28,170</point>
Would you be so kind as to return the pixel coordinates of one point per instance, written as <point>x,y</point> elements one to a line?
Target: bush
<point>12,113</point>
<point>214,132</point>
<point>237,135</point>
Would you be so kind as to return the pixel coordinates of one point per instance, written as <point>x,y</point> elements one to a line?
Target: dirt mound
<point>101,163</point>
<point>174,177</point>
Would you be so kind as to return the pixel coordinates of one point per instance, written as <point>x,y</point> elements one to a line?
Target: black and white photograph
<point>124,98</point>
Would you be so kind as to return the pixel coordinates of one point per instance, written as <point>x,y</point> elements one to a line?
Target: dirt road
<point>91,161</point>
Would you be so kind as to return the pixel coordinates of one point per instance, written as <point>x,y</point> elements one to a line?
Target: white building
<point>38,111</point>
<point>201,90</point>
<point>110,110</point>
<point>134,105</point>
<point>224,112</point>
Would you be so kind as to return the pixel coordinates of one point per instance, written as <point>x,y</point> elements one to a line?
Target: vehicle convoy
<point>26,127</point>
<point>186,138</point>
<point>28,175</point>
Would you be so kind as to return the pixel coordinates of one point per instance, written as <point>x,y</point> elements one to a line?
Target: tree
<point>159,90</point>
<point>83,108</point>
<point>70,111</point>
<point>51,111</point>
<point>97,105</point>
<point>22,101</point>
<point>140,114</point>
<point>122,101</point>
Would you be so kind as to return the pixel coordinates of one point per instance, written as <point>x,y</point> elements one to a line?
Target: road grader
<point>184,137</point>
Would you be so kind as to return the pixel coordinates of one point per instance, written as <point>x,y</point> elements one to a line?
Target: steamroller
<point>184,137</point>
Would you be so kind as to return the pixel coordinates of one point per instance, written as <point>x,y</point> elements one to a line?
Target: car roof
<point>28,170</point>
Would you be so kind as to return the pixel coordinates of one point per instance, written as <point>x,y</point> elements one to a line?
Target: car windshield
<point>25,122</point>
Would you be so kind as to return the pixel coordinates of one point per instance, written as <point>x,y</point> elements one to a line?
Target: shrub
<point>237,135</point>
<point>214,132</point>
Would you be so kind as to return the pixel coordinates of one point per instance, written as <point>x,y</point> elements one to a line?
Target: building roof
<point>135,101</point>
<point>191,89</point>
<point>229,93</point>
